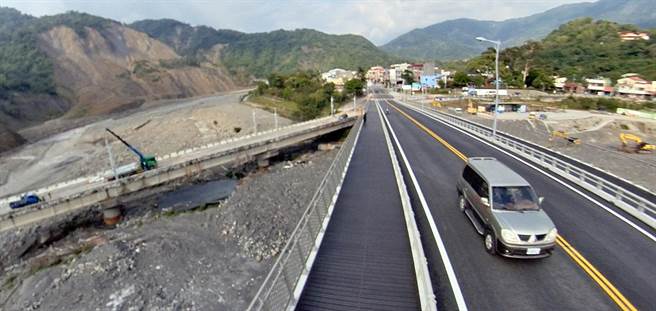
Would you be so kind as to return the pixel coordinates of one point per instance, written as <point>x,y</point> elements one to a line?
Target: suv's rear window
<point>476,181</point>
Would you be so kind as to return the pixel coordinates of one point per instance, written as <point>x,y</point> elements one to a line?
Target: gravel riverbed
<point>210,258</point>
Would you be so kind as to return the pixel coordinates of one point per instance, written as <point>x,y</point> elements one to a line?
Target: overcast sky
<point>377,20</point>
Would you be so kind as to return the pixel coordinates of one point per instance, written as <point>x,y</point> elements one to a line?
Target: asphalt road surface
<point>365,261</point>
<point>621,254</point>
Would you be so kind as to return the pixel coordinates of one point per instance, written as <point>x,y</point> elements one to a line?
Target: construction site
<point>158,129</point>
<point>622,145</point>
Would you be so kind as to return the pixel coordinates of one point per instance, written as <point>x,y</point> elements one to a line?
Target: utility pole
<point>254,123</point>
<point>332,106</point>
<point>275,117</point>
<point>111,159</point>
<point>353,102</point>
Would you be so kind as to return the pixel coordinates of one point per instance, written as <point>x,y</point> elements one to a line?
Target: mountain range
<point>77,65</point>
<point>260,54</point>
<point>454,39</point>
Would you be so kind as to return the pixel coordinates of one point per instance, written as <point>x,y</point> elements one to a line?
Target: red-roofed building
<point>634,86</point>
<point>573,87</point>
<point>377,74</point>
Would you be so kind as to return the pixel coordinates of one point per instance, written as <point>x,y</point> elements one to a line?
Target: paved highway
<point>621,254</point>
<point>365,260</point>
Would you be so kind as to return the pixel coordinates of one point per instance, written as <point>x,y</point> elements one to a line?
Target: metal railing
<point>633,204</point>
<point>278,291</point>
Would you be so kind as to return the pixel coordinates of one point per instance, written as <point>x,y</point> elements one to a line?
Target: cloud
<point>377,20</point>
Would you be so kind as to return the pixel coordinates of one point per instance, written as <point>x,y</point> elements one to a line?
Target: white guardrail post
<point>278,291</point>
<point>633,204</point>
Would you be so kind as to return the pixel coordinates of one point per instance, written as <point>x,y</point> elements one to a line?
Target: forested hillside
<point>454,39</point>
<point>260,54</point>
<point>185,39</point>
<point>288,51</point>
<point>576,50</point>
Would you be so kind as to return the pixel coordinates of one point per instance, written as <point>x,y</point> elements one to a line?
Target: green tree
<point>408,76</point>
<point>361,74</point>
<point>539,79</point>
<point>354,86</point>
<point>461,79</point>
<point>306,90</point>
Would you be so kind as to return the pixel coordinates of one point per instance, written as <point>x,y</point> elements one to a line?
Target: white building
<point>633,36</point>
<point>599,86</point>
<point>338,77</point>
<point>395,72</point>
<point>559,82</point>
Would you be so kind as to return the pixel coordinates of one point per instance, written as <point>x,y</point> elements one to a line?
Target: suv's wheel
<point>462,203</point>
<point>490,241</point>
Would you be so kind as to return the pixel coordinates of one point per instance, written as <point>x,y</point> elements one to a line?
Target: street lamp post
<point>496,82</point>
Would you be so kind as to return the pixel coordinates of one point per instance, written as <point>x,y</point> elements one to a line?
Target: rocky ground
<point>210,258</point>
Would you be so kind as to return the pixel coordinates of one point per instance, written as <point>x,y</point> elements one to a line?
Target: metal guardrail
<point>631,203</point>
<point>278,289</point>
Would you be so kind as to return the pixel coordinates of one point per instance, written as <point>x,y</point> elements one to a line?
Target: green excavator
<point>147,162</point>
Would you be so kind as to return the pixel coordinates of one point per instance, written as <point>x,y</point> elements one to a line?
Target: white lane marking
<point>577,191</point>
<point>455,287</point>
<point>424,285</point>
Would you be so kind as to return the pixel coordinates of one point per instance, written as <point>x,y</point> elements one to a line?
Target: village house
<point>633,86</point>
<point>599,86</point>
<point>633,36</point>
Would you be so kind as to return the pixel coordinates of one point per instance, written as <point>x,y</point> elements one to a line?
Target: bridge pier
<point>112,215</point>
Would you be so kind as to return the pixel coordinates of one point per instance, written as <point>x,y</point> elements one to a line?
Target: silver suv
<point>504,208</point>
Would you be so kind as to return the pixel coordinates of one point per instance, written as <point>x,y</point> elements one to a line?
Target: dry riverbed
<point>163,256</point>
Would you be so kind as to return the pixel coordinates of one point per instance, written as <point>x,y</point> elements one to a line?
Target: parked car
<point>504,208</point>
<point>25,200</point>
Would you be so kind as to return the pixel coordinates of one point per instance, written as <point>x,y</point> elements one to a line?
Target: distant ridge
<point>454,39</point>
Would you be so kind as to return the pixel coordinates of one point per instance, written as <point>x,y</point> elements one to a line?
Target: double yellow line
<point>603,282</point>
<point>612,292</point>
<point>431,133</point>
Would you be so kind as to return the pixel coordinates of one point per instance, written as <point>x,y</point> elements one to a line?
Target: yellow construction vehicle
<point>436,102</point>
<point>634,144</point>
<point>471,108</point>
<point>562,134</point>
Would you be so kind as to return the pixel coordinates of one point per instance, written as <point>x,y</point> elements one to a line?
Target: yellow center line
<point>602,281</point>
<point>431,133</point>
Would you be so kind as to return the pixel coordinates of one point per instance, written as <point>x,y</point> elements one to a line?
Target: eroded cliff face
<point>8,140</point>
<point>102,71</point>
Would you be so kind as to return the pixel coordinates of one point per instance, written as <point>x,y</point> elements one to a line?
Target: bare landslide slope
<point>116,68</point>
<point>9,139</point>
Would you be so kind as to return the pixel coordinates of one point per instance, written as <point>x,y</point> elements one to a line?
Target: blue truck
<point>25,200</point>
